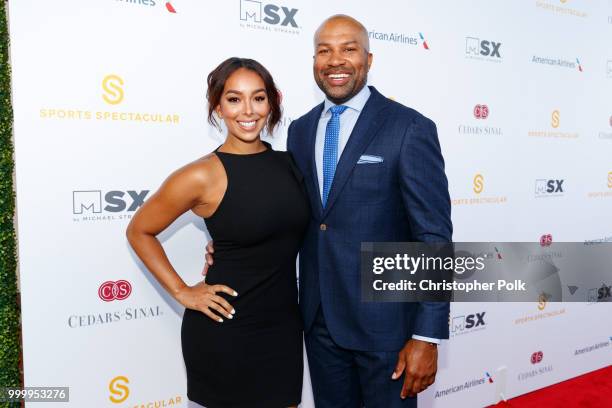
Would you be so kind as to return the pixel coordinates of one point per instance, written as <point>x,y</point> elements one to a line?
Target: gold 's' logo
<point>563,1</point>
<point>118,389</point>
<point>478,183</point>
<point>610,179</point>
<point>113,89</point>
<point>543,298</point>
<point>555,119</point>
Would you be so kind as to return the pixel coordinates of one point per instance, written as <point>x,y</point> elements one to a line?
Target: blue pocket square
<point>366,158</point>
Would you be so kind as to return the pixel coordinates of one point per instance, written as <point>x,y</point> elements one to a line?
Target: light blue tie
<point>330,149</point>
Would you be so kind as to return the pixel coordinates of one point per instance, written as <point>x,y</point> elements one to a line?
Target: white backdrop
<point>109,98</point>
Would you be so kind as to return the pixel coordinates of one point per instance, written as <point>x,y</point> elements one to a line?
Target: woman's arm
<point>181,191</point>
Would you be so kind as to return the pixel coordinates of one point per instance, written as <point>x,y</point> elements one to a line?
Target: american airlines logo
<point>146,3</point>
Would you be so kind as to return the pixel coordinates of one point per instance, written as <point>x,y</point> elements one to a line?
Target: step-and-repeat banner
<point>109,99</point>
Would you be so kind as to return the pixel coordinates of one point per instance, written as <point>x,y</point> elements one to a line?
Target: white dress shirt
<point>347,123</point>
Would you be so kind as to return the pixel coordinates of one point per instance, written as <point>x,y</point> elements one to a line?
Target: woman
<point>241,332</point>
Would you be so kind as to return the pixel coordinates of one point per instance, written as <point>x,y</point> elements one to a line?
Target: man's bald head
<point>342,20</point>
<point>342,57</point>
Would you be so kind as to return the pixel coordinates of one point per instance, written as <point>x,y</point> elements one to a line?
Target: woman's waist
<point>266,252</point>
<point>240,262</point>
<point>279,282</point>
<point>258,317</point>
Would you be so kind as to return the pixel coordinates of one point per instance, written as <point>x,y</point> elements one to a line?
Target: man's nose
<point>336,59</point>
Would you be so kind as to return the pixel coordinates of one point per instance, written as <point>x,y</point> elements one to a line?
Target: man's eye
<point>323,51</point>
<point>349,49</point>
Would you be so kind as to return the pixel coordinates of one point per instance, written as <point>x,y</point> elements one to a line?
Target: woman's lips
<point>250,125</point>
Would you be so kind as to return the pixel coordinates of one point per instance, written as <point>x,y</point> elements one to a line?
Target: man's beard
<point>343,93</point>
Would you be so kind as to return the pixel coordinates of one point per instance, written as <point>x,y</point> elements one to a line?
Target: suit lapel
<point>367,126</point>
<point>315,192</point>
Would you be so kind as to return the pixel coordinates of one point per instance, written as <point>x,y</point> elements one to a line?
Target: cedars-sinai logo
<point>481,111</point>
<point>537,357</point>
<point>115,290</point>
<point>546,240</point>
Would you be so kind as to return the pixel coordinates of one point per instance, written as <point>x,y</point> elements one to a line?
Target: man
<point>373,172</point>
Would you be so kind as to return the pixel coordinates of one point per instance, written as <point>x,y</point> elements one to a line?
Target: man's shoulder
<point>312,114</point>
<point>298,129</point>
<point>404,114</point>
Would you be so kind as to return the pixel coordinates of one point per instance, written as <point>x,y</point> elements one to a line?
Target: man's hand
<point>209,259</point>
<point>419,360</point>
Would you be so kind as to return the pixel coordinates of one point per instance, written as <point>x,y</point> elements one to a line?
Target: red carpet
<point>592,390</point>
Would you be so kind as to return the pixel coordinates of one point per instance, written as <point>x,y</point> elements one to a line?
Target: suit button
<point>323,227</point>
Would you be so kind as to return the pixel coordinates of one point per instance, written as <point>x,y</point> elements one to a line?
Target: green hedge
<point>10,328</point>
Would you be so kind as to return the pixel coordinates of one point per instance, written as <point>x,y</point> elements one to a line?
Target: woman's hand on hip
<point>204,298</point>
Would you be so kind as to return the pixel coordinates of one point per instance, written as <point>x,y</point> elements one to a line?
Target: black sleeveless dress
<point>255,359</point>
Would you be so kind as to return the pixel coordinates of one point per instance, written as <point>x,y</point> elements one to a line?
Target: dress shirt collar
<point>356,103</point>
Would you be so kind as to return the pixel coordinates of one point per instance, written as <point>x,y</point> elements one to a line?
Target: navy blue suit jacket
<point>403,198</point>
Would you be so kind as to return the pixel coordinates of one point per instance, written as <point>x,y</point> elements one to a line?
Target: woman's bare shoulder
<point>201,172</point>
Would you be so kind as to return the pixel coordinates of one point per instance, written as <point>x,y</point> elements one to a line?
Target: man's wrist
<point>430,340</point>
